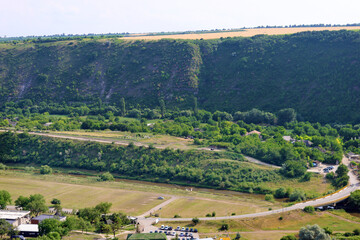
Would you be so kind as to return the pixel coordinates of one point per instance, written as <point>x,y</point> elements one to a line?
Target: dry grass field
<point>270,227</point>
<point>191,207</point>
<point>159,141</point>
<point>79,196</point>
<point>245,33</point>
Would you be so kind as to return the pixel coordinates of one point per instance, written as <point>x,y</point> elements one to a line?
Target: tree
<point>5,199</point>
<point>195,106</point>
<point>312,232</point>
<point>280,193</point>
<point>293,168</point>
<point>354,201</point>
<point>22,202</point>
<point>103,207</point>
<point>297,195</point>
<point>89,214</point>
<point>5,227</point>
<point>162,107</point>
<point>83,225</point>
<point>55,201</point>
<point>286,115</point>
<point>195,220</point>
<point>45,169</point>
<point>122,107</point>
<point>36,204</point>
<point>49,225</point>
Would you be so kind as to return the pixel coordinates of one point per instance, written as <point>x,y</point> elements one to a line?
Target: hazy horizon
<point>50,17</point>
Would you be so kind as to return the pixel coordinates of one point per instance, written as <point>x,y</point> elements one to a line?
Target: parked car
<point>162,227</point>
<point>178,228</point>
<point>181,235</point>
<point>195,230</point>
<point>21,237</point>
<point>187,229</point>
<point>170,228</point>
<point>182,229</point>
<point>151,231</point>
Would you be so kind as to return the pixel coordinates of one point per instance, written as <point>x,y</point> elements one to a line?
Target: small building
<point>253,132</point>
<point>28,230</point>
<point>40,218</point>
<point>146,236</point>
<point>15,218</point>
<point>288,139</point>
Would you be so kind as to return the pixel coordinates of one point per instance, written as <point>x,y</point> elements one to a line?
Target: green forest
<point>315,73</point>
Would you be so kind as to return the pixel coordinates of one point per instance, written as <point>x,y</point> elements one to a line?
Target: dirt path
<point>161,205</point>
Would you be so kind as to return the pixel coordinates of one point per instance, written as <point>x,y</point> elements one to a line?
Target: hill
<point>316,73</point>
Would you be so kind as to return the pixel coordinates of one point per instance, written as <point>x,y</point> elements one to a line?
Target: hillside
<point>316,73</point>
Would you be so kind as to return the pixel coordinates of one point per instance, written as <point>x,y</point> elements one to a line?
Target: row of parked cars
<point>327,169</point>
<point>178,228</point>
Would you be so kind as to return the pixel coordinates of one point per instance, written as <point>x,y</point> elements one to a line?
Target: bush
<point>45,169</point>
<point>195,220</point>
<point>2,166</point>
<point>208,215</point>
<point>233,214</point>
<point>356,231</point>
<point>288,237</point>
<point>224,227</point>
<point>106,177</point>
<point>177,216</point>
<point>297,195</point>
<point>213,214</point>
<point>309,209</point>
<point>269,197</point>
<point>281,193</point>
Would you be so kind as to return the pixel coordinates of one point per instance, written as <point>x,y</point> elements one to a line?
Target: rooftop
<point>28,228</point>
<point>142,236</point>
<point>13,214</point>
<point>46,216</point>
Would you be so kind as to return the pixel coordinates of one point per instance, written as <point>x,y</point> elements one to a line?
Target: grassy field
<point>132,197</point>
<point>243,33</point>
<point>270,227</point>
<point>191,207</point>
<point>79,196</point>
<point>160,141</point>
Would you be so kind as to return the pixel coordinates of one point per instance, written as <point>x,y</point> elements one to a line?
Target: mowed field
<point>77,196</point>
<point>244,33</point>
<point>133,198</point>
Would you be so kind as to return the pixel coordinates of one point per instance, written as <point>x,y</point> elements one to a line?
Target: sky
<point>48,17</point>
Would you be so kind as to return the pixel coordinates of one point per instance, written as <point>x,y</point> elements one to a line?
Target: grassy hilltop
<point>316,73</point>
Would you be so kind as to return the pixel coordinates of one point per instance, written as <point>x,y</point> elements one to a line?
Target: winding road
<point>342,194</point>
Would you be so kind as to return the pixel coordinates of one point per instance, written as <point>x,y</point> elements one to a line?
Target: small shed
<point>28,230</point>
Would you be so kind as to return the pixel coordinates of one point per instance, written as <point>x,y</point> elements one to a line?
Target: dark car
<point>195,230</point>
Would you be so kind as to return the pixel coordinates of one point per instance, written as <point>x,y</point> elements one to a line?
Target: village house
<point>15,218</point>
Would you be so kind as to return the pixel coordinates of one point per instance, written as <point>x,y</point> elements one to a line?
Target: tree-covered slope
<point>316,73</point>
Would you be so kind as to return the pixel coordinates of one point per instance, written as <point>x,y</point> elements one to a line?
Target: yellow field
<point>245,33</point>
